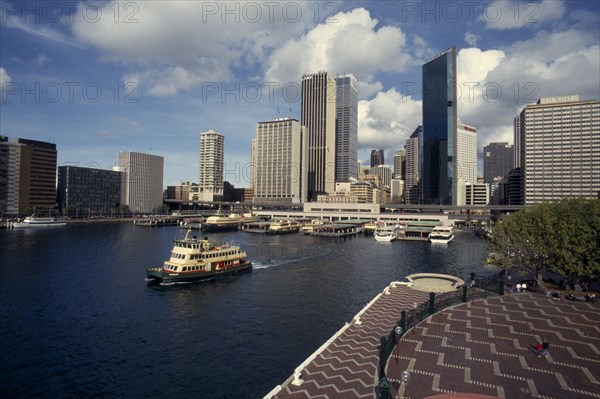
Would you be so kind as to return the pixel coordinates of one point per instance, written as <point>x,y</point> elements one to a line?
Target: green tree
<point>123,208</point>
<point>163,209</point>
<point>70,210</point>
<point>562,237</point>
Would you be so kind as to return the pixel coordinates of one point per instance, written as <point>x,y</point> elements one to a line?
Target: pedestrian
<point>545,346</point>
<point>538,349</point>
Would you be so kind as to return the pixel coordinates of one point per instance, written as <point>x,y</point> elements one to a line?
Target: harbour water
<point>77,318</point>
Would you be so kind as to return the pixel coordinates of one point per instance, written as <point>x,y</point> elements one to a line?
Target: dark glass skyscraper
<point>376,158</point>
<point>439,128</point>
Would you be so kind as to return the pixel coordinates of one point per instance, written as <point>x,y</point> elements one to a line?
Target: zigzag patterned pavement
<point>480,347</point>
<point>347,368</point>
<point>484,347</point>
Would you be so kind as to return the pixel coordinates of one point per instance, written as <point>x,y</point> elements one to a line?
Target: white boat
<point>386,232</point>
<point>441,234</point>
<point>32,221</point>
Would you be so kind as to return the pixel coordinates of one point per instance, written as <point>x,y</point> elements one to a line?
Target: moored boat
<point>441,234</point>
<point>32,221</point>
<point>386,232</point>
<point>222,223</point>
<point>284,227</point>
<point>197,259</point>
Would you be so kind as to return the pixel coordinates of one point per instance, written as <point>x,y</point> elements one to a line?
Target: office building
<point>476,194</point>
<point>346,128</point>
<point>277,161</point>
<point>27,176</point>
<point>377,158</point>
<point>465,161</point>
<point>318,148</point>
<point>498,159</point>
<point>517,142</point>
<point>88,191</point>
<point>414,157</point>
<point>384,172</point>
<point>560,149</point>
<point>142,183</point>
<point>212,164</point>
<point>439,129</point>
<point>400,164</point>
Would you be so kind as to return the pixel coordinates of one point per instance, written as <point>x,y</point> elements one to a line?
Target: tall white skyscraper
<point>346,128</point>
<point>142,184</point>
<point>560,149</point>
<point>399,164</point>
<point>212,159</point>
<point>412,183</point>
<point>517,141</point>
<point>465,161</point>
<point>318,119</point>
<point>277,161</point>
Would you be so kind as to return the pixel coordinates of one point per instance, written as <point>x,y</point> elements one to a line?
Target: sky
<point>100,77</point>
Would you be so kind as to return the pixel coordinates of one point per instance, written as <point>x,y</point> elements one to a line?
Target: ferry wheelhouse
<point>196,259</point>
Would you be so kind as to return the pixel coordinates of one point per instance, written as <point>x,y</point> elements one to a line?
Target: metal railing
<point>477,287</point>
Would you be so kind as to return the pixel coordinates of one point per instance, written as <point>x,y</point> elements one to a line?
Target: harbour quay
<point>433,337</point>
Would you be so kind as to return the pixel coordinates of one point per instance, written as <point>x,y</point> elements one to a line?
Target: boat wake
<point>269,263</point>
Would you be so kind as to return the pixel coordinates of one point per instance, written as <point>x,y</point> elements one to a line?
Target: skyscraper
<point>318,118</point>
<point>346,128</point>
<point>465,161</point>
<point>400,164</point>
<point>27,176</point>
<point>439,128</point>
<point>498,159</point>
<point>560,149</point>
<point>278,166</point>
<point>517,142</point>
<point>377,158</point>
<point>142,184</point>
<point>412,185</point>
<point>212,163</point>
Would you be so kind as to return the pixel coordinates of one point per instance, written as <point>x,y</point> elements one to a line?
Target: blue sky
<point>101,77</point>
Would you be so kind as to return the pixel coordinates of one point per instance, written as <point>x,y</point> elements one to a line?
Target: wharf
<point>480,348</point>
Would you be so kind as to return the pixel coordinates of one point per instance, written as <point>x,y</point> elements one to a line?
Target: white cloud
<point>41,60</point>
<point>504,82</point>
<point>177,45</point>
<point>504,15</point>
<point>351,45</point>
<point>5,81</point>
<point>387,120</point>
<point>471,39</point>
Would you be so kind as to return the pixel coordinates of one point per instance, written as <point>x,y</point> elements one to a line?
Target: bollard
<point>384,389</point>
<point>403,320</point>
<point>465,297</point>
<point>502,282</point>
<point>431,302</point>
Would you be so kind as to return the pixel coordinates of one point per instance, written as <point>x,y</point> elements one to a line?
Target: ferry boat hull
<point>159,275</point>
<point>211,228</point>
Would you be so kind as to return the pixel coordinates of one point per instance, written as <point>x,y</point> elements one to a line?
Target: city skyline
<point>98,79</point>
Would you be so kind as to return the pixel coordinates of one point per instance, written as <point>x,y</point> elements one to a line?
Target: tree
<point>562,237</point>
<point>164,208</point>
<point>123,208</point>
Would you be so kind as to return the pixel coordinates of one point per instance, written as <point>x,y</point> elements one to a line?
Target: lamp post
<point>398,331</point>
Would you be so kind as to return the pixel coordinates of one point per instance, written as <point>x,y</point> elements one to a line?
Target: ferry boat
<point>32,221</point>
<point>336,230</point>
<point>197,259</point>
<point>256,227</point>
<point>310,227</point>
<point>441,234</point>
<point>387,233</point>
<point>222,223</point>
<point>284,227</point>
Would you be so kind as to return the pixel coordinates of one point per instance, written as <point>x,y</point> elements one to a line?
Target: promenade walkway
<point>484,347</point>
<point>480,347</point>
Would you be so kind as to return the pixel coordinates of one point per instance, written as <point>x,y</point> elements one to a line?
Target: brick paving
<point>484,347</point>
<point>480,347</point>
<point>347,368</point>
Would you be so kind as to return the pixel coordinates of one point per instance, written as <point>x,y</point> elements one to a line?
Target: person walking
<point>545,346</point>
